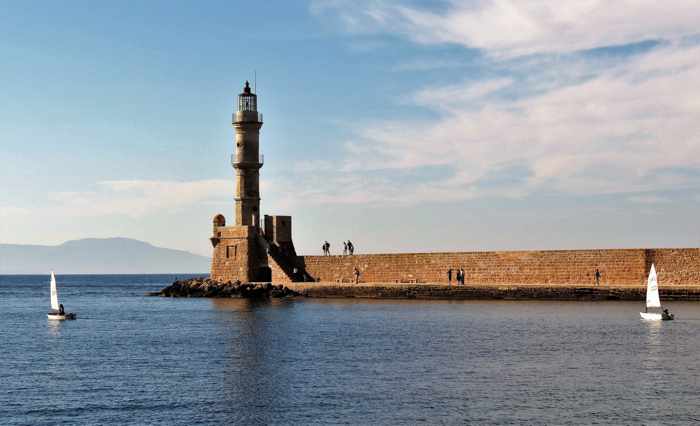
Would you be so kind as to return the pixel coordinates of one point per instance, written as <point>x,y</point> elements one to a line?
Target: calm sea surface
<point>131,359</point>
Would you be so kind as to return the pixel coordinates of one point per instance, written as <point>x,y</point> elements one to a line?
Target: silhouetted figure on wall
<point>351,248</point>
<point>345,247</point>
<point>449,276</point>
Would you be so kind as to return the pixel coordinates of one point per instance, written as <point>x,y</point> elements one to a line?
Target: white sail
<point>653,290</point>
<point>54,293</point>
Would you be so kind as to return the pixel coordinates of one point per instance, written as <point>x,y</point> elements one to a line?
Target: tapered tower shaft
<point>247,160</point>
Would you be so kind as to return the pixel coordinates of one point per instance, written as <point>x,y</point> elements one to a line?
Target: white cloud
<point>428,64</point>
<point>459,96</point>
<point>630,128</point>
<point>517,27</point>
<point>12,211</point>
<point>137,198</point>
<point>648,199</point>
<point>580,125</point>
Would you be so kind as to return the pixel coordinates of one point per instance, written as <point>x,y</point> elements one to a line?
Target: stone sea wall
<point>507,292</point>
<point>676,267</point>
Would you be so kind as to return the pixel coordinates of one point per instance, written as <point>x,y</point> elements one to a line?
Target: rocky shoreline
<point>206,287</point>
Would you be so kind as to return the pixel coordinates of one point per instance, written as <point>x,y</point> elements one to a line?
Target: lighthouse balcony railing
<point>261,160</point>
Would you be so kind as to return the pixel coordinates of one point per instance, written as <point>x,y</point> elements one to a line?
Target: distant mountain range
<point>99,256</point>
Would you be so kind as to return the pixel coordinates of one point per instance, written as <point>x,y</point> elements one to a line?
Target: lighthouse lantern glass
<point>247,102</point>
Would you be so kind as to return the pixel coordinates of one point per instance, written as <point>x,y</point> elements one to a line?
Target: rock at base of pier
<point>206,287</point>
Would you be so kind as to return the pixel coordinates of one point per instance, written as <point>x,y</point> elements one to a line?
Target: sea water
<point>132,359</point>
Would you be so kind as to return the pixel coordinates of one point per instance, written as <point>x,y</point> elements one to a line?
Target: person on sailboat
<point>61,311</point>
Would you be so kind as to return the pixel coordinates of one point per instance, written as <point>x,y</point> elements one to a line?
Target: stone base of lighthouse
<point>247,254</point>
<point>237,254</point>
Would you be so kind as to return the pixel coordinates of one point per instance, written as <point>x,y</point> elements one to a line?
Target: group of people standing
<point>459,276</point>
<point>348,248</point>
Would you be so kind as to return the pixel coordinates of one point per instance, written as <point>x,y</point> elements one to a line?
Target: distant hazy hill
<point>99,256</point>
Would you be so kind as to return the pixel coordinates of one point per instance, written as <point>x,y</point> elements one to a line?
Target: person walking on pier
<point>597,277</point>
<point>461,274</point>
<point>351,248</point>
<point>357,275</point>
<point>459,277</point>
<point>449,277</point>
<point>345,248</point>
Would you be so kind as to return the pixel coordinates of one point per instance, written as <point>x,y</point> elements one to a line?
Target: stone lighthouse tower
<point>239,250</point>
<point>247,160</point>
<point>245,252</point>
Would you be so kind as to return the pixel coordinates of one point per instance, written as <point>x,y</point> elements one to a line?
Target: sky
<point>401,125</point>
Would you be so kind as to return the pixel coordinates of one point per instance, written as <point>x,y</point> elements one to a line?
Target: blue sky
<point>404,126</point>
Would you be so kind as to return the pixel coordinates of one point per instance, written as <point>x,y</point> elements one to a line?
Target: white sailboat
<point>653,300</point>
<point>57,312</point>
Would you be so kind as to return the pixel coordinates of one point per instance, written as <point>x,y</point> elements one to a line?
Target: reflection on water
<point>653,331</point>
<point>255,374</point>
<point>238,305</point>
<point>473,361</point>
<point>247,304</point>
<point>54,328</point>
<point>653,350</point>
<point>133,359</point>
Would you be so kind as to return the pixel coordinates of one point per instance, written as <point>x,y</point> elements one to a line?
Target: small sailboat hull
<point>59,317</point>
<point>650,316</point>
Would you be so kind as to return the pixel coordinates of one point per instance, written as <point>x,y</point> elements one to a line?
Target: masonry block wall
<point>235,247</point>
<point>617,266</point>
<point>676,266</point>
<point>279,276</point>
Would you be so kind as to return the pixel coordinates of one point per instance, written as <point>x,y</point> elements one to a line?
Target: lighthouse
<point>244,251</point>
<point>239,249</point>
<point>246,159</point>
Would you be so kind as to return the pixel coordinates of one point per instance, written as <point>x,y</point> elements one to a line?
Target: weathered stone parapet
<point>675,267</point>
<point>512,292</point>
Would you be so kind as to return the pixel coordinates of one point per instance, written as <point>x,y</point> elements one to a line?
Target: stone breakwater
<point>512,292</point>
<point>205,287</point>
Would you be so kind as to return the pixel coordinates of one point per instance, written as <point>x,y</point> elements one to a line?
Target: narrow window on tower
<point>231,252</point>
